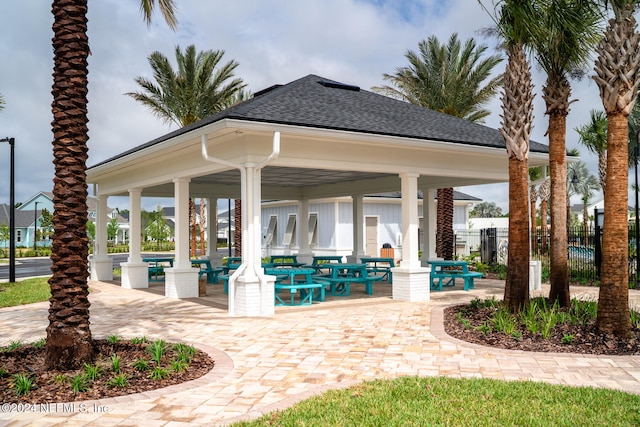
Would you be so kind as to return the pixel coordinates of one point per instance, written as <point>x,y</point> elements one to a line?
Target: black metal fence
<point>584,250</point>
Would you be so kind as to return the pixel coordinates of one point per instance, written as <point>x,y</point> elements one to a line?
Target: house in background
<point>330,224</point>
<point>28,216</point>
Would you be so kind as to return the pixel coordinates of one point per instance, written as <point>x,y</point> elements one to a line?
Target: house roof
<point>23,219</point>
<point>318,102</point>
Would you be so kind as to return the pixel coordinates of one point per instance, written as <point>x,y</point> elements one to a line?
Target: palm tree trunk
<point>516,293</point>
<point>444,224</point>
<point>613,302</point>
<point>559,273</point>
<point>203,219</point>
<point>69,342</point>
<point>544,226</point>
<point>533,197</point>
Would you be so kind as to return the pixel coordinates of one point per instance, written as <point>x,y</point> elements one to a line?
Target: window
<point>271,231</point>
<point>313,229</point>
<point>289,238</point>
<point>18,236</point>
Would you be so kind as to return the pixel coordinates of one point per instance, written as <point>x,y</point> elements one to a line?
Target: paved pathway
<point>269,363</point>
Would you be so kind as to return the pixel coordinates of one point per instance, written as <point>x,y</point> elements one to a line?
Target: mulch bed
<point>30,360</point>
<point>587,340</point>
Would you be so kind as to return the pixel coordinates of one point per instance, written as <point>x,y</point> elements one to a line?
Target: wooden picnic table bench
<point>445,273</point>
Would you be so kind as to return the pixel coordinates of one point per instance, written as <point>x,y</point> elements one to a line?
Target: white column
<point>429,220</point>
<point>212,231</point>
<point>251,293</point>
<point>181,281</point>
<point>304,252</point>
<point>101,264</point>
<point>135,273</point>
<point>358,228</point>
<point>410,280</point>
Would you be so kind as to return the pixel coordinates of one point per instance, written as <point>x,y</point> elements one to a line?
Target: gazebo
<point>309,139</point>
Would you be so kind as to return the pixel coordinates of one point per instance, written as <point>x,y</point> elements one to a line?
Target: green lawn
<point>24,292</point>
<point>439,401</point>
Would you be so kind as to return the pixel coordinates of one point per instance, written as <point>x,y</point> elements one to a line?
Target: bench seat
<point>340,286</point>
<point>448,278</point>
<point>306,292</point>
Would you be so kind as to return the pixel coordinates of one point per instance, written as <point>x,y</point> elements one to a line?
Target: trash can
<point>387,251</point>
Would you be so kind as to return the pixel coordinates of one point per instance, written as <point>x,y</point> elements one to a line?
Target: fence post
<point>598,248</point>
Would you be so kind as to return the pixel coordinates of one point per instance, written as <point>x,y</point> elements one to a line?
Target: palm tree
<point>69,342</point>
<point>564,35</point>
<point>544,192</point>
<point>581,182</point>
<point>514,20</point>
<point>197,89</point>
<point>452,79</point>
<point>617,67</point>
<point>593,135</point>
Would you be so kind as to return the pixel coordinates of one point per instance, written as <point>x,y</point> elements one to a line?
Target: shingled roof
<point>318,102</point>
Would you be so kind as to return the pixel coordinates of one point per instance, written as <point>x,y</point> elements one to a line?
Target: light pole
<point>35,229</point>
<point>12,213</point>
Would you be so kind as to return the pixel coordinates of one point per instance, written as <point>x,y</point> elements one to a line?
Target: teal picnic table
<point>157,266</point>
<point>319,261</point>
<point>296,280</point>
<point>208,269</point>
<point>285,261</point>
<point>445,273</point>
<point>382,265</point>
<point>343,275</point>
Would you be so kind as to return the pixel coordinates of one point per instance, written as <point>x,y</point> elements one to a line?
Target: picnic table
<point>285,261</point>
<point>320,261</point>
<point>157,266</point>
<point>382,265</point>
<point>231,263</point>
<point>208,269</point>
<point>296,279</point>
<point>344,274</point>
<point>445,273</point>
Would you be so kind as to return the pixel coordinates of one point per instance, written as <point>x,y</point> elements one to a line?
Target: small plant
<point>141,365</point>
<point>475,303</point>
<point>23,384</point>
<point>113,338</point>
<point>548,322</point>
<point>185,352</point>
<point>157,349</point>
<point>14,345</point>
<point>503,321</point>
<point>61,379</point>
<point>92,371</point>
<point>517,335</point>
<point>179,365</point>
<point>567,338</point>
<point>40,343</point>
<point>485,328</point>
<point>635,319</point>
<point>139,340</point>
<point>118,381</point>
<point>79,383</point>
<point>3,373</point>
<point>115,363</point>
<point>159,373</point>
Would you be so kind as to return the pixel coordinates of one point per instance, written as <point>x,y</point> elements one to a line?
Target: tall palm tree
<point>617,67</point>
<point>513,20</point>
<point>69,342</point>
<point>581,182</point>
<point>453,79</point>
<point>563,38</point>
<point>593,135</point>
<point>198,88</point>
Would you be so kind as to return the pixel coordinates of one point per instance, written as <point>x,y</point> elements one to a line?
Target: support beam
<point>101,264</point>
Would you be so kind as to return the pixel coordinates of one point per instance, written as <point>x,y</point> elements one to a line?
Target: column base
<point>181,283</point>
<point>135,275</point>
<point>101,269</point>
<point>411,284</point>
<point>249,300</point>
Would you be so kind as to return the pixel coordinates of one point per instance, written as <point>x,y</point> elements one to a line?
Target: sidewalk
<point>270,363</point>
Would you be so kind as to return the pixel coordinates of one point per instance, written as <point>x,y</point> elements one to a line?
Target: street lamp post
<point>35,228</point>
<point>12,213</point>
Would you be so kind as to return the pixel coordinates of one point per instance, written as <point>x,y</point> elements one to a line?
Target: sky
<point>274,41</point>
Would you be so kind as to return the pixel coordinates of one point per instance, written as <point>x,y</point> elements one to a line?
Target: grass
<point>25,291</point>
<point>413,401</point>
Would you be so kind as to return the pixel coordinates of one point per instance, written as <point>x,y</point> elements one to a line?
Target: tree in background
<point>5,234</point>
<point>452,79</point>
<point>581,182</point>
<point>112,228</point>
<point>158,230</point>
<point>544,192</point>
<point>617,66</point>
<point>486,210</point>
<point>201,86</point>
<point>69,342</point>
<point>46,223</point>
<point>593,136</point>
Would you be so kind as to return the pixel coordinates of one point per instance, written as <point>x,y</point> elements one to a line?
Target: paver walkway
<point>270,363</point>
